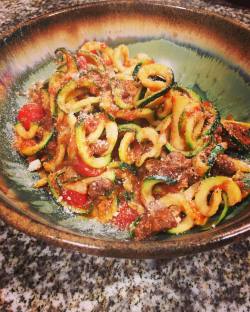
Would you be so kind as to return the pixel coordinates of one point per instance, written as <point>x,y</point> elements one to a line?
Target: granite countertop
<point>38,277</point>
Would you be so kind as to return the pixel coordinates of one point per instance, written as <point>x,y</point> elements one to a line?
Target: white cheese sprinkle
<point>34,165</point>
<point>60,198</point>
<point>178,219</point>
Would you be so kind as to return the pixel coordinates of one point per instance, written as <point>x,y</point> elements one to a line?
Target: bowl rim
<point>169,248</point>
<point>69,8</point>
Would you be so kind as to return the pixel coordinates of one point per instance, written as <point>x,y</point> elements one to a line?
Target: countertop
<point>38,277</point>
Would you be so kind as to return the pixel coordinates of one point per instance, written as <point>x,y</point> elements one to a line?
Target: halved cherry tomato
<point>74,198</point>
<point>125,217</point>
<point>83,169</point>
<point>29,113</point>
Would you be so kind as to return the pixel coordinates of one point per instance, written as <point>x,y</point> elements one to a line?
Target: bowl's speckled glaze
<point>203,49</point>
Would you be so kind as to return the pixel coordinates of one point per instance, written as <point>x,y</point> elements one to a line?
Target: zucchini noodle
<point>115,138</point>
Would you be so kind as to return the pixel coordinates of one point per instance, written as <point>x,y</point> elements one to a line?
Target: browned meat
<point>128,89</point>
<point>154,223</point>
<point>174,165</point>
<point>99,187</point>
<point>69,173</point>
<point>91,122</point>
<point>224,166</point>
<point>218,135</point>
<point>239,131</point>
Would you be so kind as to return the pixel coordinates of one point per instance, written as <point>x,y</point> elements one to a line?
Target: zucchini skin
<point>218,149</point>
<point>192,94</point>
<point>150,182</point>
<point>31,150</point>
<point>165,179</point>
<point>132,227</point>
<point>129,127</point>
<point>220,218</point>
<point>55,84</point>
<point>26,134</point>
<point>131,168</point>
<point>144,102</point>
<point>136,69</point>
<point>155,70</point>
<point>142,93</point>
<point>240,146</point>
<point>188,154</point>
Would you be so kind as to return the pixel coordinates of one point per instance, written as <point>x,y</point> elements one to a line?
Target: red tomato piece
<point>125,217</point>
<point>74,198</point>
<point>29,113</point>
<point>83,169</point>
<point>137,149</point>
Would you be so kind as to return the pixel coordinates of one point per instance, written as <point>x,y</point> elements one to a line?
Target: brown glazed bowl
<point>203,49</point>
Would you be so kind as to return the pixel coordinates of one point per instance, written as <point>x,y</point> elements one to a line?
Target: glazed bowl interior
<point>205,52</point>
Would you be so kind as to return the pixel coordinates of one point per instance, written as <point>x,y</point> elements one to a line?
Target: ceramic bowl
<point>203,49</point>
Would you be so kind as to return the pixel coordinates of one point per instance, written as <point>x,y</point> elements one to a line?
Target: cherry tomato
<point>83,169</point>
<point>125,217</point>
<point>74,198</point>
<point>30,112</point>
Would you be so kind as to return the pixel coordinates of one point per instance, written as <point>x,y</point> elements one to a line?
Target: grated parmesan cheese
<point>34,165</point>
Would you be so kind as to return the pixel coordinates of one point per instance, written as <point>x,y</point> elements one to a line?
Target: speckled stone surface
<point>37,277</point>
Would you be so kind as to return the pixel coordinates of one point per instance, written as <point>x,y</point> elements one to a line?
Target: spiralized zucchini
<point>157,70</point>
<point>121,59</point>
<point>105,130</point>
<point>26,134</point>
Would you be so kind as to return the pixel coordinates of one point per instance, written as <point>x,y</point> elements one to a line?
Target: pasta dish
<point>117,139</point>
